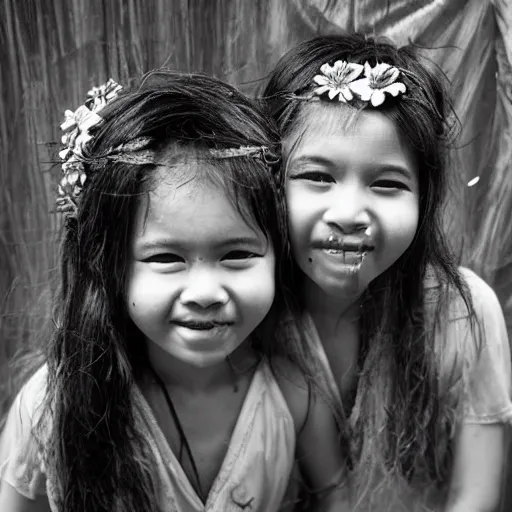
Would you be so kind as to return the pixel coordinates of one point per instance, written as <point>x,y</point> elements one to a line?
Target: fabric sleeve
<point>20,463</point>
<point>488,375</point>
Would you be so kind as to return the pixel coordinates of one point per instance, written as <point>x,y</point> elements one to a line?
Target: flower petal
<point>378,97</point>
<point>321,80</point>
<point>326,69</point>
<point>86,119</point>
<point>367,70</point>
<point>361,88</point>
<point>353,71</point>
<point>346,94</point>
<point>72,177</point>
<point>388,77</point>
<point>321,90</point>
<point>338,68</point>
<point>333,92</point>
<point>395,89</point>
<point>82,139</point>
<point>380,68</point>
<point>69,121</point>
<point>63,154</point>
<point>383,75</point>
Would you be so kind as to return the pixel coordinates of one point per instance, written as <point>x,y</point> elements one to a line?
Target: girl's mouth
<point>348,251</point>
<point>350,260</point>
<point>200,326</point>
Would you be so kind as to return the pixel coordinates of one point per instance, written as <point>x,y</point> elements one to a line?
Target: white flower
<point>76,128</point>
<point>378,80</point>
<point>100,96</point>
<point>69,121</point>
<point>336,79</point>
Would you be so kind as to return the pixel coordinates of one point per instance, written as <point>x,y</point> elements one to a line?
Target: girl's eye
<point>164,258</point>
<point>316,176</point>
<point>390,184</point>
<point>239,255</point>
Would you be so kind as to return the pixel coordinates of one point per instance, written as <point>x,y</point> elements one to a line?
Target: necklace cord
<point>183,438</point>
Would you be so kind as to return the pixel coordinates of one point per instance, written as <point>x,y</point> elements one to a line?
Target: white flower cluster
<point>76,128</point>
<point>342,80</point>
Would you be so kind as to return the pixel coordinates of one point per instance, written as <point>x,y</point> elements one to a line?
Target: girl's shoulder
<point>483,345</point>
<point>481,293</point>
<point>489,321</point>
<point>20,461</point>
<point>473,319</point>
<point>28,402</point>
<point>33,391</point>
<point>480,301</point>
<point>294,388</point>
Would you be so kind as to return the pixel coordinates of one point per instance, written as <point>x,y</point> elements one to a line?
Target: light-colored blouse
<point>253,476</point>
<point>487,385</point>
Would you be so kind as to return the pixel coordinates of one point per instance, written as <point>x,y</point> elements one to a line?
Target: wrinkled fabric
<point>255,471</point>
<point>486,399</point>
<point>257,464</point>
<point>20,461</point>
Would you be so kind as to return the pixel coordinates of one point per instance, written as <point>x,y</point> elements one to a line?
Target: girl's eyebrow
<point>304,160</point>
<point>159,243</point>
<point>402,170</point>
<point>239,240</point>
<point>311,159</point>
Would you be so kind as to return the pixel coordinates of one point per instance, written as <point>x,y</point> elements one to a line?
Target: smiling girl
<point>164,387</point>
<point>414,348</point>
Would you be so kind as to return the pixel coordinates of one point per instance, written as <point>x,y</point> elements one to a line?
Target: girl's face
<point>201,279</point>
<point>353,199</point>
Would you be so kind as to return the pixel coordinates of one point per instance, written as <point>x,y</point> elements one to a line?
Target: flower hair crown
<point>76,136</point>
<point>342,81</point>
<point>76,128</point>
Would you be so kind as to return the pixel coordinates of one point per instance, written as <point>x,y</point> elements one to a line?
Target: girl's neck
<point>179,374</point>
<point>329,312</point>
<point>337,324</point>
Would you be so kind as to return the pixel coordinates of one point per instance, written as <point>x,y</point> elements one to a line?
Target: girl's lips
<point>201,326</point>
<point>346,257</point>
<point>361,247</point>
<point>346,243</point>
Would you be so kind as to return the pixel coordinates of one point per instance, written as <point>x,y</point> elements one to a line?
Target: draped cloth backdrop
<point>52,51</point>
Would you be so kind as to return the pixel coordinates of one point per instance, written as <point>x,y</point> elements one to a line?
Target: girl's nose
<point>204,289</point>
<point>347,210</point>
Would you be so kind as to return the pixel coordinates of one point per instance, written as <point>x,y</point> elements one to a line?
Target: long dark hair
<point>408,393</point>
<point>97,460</point>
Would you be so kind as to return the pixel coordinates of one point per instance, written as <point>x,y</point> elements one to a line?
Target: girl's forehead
<point>322,126</point>
<point>192,185</point>
<point>174,185</point>
<point>325,117</point>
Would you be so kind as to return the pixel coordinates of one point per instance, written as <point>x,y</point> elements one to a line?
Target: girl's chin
<point>346,292</point>
<point>345,289</point>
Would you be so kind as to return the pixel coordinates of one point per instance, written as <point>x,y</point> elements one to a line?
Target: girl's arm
<point>479,457</point>
<point>22,479</point>
<point>11,500</point>
<point>319,453</point>
<point>318,448</point>
<point>478,468</point>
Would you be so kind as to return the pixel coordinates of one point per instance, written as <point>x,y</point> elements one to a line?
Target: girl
<point>158,392</point>
<point>414,349</point>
